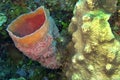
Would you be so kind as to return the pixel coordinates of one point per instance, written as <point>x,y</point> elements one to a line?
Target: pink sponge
<point>30,33</point>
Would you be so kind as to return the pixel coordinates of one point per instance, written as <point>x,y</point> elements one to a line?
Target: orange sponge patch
<point>28,23</point>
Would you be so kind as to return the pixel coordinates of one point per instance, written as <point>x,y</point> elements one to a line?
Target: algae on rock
<point>97,52</point>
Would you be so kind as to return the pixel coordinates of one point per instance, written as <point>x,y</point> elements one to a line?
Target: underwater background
<point>14,65</point>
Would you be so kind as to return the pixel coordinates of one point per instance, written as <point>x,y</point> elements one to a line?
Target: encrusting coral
<point>97,52</point>
<point>34,34</point>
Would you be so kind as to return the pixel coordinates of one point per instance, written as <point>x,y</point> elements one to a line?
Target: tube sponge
<point>31,35</point>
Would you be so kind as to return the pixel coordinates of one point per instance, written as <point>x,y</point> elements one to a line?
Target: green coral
<point>21,78</point>
<point>3,19</point>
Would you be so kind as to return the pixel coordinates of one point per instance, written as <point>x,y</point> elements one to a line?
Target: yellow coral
<point>96,50</point>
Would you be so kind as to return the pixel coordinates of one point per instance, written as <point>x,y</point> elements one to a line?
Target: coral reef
<point>14,8</point>
<point>97,51</point>
<point>33,34</point>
